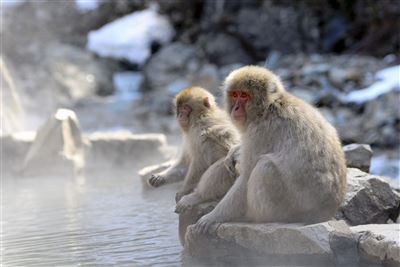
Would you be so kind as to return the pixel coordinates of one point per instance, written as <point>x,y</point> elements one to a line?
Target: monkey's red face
<point>239,99</point>
<point>183,115</point>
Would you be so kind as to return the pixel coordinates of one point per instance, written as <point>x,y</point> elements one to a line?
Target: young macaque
<point>208,135</point>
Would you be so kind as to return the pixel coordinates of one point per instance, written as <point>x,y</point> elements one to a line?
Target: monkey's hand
<point>156,180</point>
<point>231,160</point>
<point>206,224</point>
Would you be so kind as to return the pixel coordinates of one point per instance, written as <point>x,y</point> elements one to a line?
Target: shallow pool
<point>103,219</point>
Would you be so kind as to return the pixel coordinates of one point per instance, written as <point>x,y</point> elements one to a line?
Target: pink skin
<point>239,99</point>
<point>183,116</point>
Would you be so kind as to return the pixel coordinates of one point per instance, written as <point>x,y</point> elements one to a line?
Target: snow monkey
<point>208,135</point>
<point>292,167</point>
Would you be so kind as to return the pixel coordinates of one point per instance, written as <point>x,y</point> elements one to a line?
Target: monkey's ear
<point>206,102</point>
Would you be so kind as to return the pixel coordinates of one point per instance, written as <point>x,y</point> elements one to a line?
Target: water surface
<point>99,219</point>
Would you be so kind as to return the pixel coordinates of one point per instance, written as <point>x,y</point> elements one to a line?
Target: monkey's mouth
<point>239,117</point>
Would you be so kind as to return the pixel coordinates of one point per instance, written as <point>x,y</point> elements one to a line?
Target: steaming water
<point>105,219</point>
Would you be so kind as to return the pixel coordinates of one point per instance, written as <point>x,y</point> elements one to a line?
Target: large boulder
<point>369,199</point>
<point>379,243</point>
<point>58,146</point>
<point>358,156</point>
<point>319,244</point>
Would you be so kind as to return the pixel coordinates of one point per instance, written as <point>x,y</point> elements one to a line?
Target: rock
<point>207,77</point>
<point>219,45</point>
<point>379,243</point>
<point>192,216</point>
<point>358,156</point>
<point>319,244</point>
<point>58,147</point>
<point>78,73</point>
<point>14,148</point>
<point>368,200</point>
<point>307,95</point>
<point>267,25</point>
<point>169,64</point>
<point>124,149</point>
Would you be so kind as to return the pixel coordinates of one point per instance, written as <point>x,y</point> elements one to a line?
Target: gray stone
<point>192,216</point>
<point>219,45</point>
<point>379,243</point>
<point>369,199</point>
<point>358,156</point>
<point>124,149</point>
<point>58,146</point>
<point>14,148</point>
<point>167,65</point>
<point>278,244</point>
<point>207,77</point>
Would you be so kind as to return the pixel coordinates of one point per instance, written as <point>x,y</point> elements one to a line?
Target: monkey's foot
<point>183,205</point>
<point>206,224</point>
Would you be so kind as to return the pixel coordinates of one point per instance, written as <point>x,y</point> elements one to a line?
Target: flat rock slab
<point>379,243</point>
<point>124,148</point>
<point>328,243</point>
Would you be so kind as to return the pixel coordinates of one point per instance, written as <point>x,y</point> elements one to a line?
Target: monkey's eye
<point>235,94</point>
<point>244,95</point>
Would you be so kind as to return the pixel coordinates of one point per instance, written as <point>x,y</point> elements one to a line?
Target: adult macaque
<point>292,167</point>
<point>208,136</point>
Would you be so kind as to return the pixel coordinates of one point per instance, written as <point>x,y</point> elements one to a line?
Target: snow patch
<point>388,80</point>
<point>131,36</point>
<point>86,5</point>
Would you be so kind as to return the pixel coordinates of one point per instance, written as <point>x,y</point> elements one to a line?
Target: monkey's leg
<point>268,195</point>
<point>232,206</point>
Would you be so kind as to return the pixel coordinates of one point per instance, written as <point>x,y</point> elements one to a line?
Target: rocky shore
<point>365,231</point>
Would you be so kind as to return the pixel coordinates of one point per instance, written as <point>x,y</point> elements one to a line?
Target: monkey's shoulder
<point>221,136</point>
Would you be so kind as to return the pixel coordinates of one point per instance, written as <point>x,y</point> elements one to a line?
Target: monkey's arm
<point>232,206</point>
<point>231,159</point>
<point>196,169</point>
<point>172,174</point>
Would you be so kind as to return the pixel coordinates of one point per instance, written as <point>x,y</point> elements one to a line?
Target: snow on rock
<point>86,5</point>
<point>388,80</point>
<point>130,37</point>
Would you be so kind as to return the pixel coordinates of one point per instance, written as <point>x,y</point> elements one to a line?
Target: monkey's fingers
<point>182,207</point>
<point>156,180</point>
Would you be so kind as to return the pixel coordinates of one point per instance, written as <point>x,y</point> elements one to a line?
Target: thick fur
<point>207,140</point>
<point>292,167</point>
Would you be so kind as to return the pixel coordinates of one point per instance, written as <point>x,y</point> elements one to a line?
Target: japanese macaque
<point>208,135</point>
<point>292,167</point>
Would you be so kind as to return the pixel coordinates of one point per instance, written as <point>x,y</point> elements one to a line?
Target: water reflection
<point>93,220</point>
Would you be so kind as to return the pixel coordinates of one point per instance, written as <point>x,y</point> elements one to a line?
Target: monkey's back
<point>310,157</point>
